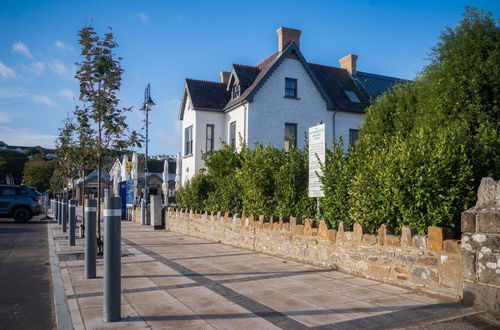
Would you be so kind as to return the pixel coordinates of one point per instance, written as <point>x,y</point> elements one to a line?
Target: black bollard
<point>90,238</point>
<point>64,215</point>
<point>72,222</point>
<point>112,259</point>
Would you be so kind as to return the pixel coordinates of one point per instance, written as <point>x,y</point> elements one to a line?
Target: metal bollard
<point>143,213</point>
<point>65,215</point>
<point>72,222</point>
<point>58,211</point>
<point>112,259</point>
<point>90,238</point>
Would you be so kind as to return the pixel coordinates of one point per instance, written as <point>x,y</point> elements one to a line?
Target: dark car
<point>19,202</point>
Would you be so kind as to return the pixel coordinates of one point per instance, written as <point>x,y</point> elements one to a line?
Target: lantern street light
<point>148,103</point>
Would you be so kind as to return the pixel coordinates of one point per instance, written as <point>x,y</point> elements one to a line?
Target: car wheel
<point>21,215</point>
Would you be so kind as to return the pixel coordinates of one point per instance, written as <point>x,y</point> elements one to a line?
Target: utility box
<point>155,211</point>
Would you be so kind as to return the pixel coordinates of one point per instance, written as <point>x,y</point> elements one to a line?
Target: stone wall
<point>429,262</point>
<point>481,248</point>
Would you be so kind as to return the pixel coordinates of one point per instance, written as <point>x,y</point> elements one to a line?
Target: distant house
<point>275,102</point>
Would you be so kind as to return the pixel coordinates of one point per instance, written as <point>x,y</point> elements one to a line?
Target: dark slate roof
<point>155,165</point>
<point>336,81</point>
<point>332,83</point>
<point>246,74</point>
<point>207,94</point>
<point>375,84</point>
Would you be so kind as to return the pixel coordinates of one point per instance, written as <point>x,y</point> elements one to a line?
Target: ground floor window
<point>353,136</point>
<point>290,136</point>
<point>188,141</point>
<point>232,135</point>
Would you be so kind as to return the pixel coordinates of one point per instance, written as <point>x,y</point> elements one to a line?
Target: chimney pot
<point>224,77</point>
<point>349,63</point>
<point>287,35</point>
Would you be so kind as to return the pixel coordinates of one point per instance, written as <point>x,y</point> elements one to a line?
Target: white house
<point>280,97</point>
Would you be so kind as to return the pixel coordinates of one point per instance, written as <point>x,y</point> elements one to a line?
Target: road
<point>26,293</point>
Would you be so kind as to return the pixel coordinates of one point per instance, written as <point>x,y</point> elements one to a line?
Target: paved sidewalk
<point>175,281</point>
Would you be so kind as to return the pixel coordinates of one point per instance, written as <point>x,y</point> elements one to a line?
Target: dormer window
<point>236,91</point>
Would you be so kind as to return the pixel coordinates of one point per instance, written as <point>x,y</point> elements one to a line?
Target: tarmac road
<point>26,292</point>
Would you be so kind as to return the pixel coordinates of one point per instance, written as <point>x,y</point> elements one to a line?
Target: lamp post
<point>148,103</point>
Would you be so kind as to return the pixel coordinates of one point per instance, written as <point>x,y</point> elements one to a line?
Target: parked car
<point>19,202</point>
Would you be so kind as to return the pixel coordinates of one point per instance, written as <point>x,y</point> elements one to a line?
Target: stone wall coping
<point>438,239</point>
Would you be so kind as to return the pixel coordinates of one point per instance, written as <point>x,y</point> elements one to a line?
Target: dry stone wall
<point>430,262</point>
<point>481,248</point>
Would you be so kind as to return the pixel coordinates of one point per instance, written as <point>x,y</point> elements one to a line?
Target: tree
<point>11,165</point>
<point>99,75</point>
<point>37,172</point>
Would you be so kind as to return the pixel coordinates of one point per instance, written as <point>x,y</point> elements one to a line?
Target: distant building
<point>275,102</point>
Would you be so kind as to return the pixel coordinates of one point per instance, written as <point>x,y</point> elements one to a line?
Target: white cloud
<point>43,99</point>
<point>66,94</point>
<point>62,46</point>
<point>59,68</point>
<point>11,93</point>
<point>143,17</point>
<point>6,72</point>
<point>38,67</point>
<point>25,137</point>
<point>21,48</point>
<point>5,117</point>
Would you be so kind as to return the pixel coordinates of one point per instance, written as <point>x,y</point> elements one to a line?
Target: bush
<point>194,193</point>
<point>291,191</point>
<point>222,166</point>
<point>257,178</point>
<point>336,180</point>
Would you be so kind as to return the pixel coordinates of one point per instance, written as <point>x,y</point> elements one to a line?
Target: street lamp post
<point>148,103</point>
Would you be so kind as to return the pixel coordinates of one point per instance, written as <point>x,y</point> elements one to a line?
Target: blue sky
<point>163,42</point>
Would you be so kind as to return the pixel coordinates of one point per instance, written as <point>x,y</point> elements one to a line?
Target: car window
<point>20,191</point>
<point>9,191</point>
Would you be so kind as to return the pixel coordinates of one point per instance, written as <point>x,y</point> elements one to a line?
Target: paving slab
<point>175,281</point>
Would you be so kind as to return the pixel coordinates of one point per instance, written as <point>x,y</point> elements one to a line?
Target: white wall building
<point>278,98</point>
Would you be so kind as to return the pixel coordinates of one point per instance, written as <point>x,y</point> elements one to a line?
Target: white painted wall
<point>202,119</point>
<point>188,162</point>
<point>240,116</point>
<point>343,122</point>
<point>264,119</point>
<point>270,110</point>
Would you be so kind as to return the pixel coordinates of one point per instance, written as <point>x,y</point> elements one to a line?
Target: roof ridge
<point>381,76</point>
<point>266,59</point>
<point>206,81</point>
<point>327,66</point>
<point>246,66</point>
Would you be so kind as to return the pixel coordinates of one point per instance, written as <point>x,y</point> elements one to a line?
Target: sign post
<point>316,158</point>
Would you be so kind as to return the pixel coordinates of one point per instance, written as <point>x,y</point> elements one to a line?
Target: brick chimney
<point>287,35</point>
<point>224,77</point>
<point>349,63</point>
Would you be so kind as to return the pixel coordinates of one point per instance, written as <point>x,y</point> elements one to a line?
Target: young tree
<point>37,172</point>
<point>99,75</point>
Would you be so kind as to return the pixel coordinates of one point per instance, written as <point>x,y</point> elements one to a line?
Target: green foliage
<point>11,165</point>
<point>257,178</point>
<point>336,178</point>
<point>291,182</point>
<point>425,146</point>
<point>38,171</point>
<point>194,193</point>
<point>222,166</point>
<point>421,180</point>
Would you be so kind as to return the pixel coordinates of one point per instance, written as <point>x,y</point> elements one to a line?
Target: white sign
<point>316,157</point>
